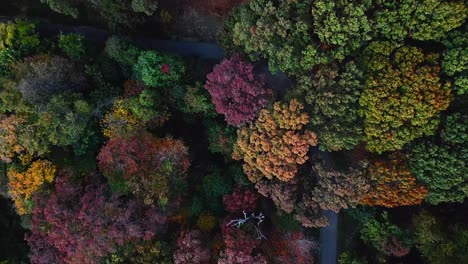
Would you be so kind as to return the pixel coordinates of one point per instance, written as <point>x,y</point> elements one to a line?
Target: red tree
<point>237,92</point>
<point>240,200</point>
<point>292,247</point>
<point>81,223</point>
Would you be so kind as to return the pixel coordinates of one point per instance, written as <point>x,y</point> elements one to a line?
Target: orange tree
<point>276,144</point>
<point>22,185</point>
<point>402,97</point>
<point>393,184</point>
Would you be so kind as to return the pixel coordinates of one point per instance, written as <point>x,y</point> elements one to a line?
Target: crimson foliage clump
<point>237,92</point>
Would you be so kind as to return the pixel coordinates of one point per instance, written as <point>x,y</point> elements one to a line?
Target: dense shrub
<point>403,96</point>
<point>276,144</point>
<point>122,50</point>
<point>73,45</point>
<point>158,70</point>
<point>237,92</point>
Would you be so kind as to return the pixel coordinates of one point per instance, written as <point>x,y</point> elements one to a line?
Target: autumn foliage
<point>237,92</point>
<point>81,223</point>
<point>276,144</point>
<point>191,249</point>
<point>9,143</point>
<point>240,200</point>
<point>148,164</point>
<point>292,247</point>
<point>393,184</point>
<point>22,185</point>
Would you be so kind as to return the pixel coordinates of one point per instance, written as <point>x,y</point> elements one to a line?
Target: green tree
<point>73,45</point>
<point>20,36</point>
<point>438,241</point>
<point>418,19</point>
<point>455,61</point>
<point>332,96</point>
<point>441,163</point>
<point>403,95</point>
<point>158,70</point>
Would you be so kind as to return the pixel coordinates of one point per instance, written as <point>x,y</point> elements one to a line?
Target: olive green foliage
<point>286,222</point>
<point>441,164</point>
<point>144,106</point>
<point>347,258</point>
<point>7,56</point>
<point>440,242</point>
<point>402,97</point>
<point>158,70</point>
<point>332,98</point>
<point>194,99</point>
<point>297,35</point>
<point>341,26</point>
<point>215,186</point>
<point>455,61</point>
<point>419,19</point>
<point>145,6</point>
<point>378,231</point>
<point>221,138</point>
<point>20,36</point>
<point>122,50</point>
<point>277,32</point>
<point>64,7</point>
<point>118,15</point>
<point>73,45</point>
<point>65,122</point>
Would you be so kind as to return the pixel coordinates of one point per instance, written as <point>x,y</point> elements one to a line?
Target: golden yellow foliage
<point>119,121</point>
<point>276,144</point>
<point>22,185</point>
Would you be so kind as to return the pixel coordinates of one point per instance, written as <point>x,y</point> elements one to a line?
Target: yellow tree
<point>22,185</point>
<point>276,144</point>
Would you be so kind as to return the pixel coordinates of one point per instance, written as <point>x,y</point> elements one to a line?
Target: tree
<point>292,247</point>
<point>20,36</point>
<point>393,184</point>
<point>191,249</point>
<point>386,237</point>
<point>421,20</point>
<point>332,96</point>
<point>342,27</point>
<point>46,76</point>
<point>276,144</point>
<point>455,61</point>
<point>440,241</point>
<point>65,121</point>
<point>337,190</point>
<point>440,162</point>
<point>7,57</point>
<point>158,70</point>
<point>221,137</point>
<point>149,166</point>
<point>240,200</point>
<point>22,185</point>
<point>237,92</point>
<point>122,50</point>
<point>81,223</point>
<point>73,45</point>
<point>239,247</point>
<point>9,141</point>
<point>402,97</point>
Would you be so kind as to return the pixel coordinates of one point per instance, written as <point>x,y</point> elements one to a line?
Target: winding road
<point>278,81</point>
